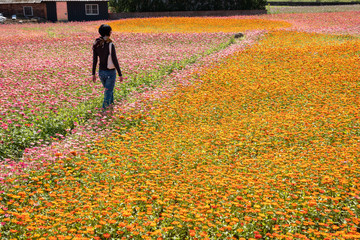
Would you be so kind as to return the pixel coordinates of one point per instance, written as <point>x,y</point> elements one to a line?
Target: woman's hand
<point>94,78</point>
<point>121,79</point>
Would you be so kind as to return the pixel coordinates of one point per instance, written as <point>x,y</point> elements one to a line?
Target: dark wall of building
<point>51,11</point>
<point>76,11</point>
<point>39,9</point>
<point>6,10</point>
<point>47,10</point>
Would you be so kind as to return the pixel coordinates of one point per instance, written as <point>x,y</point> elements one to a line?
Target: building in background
<point>56,10</point>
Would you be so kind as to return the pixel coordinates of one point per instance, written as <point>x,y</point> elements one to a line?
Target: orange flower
<point>106,235</point>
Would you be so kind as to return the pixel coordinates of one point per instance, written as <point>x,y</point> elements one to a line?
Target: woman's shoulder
<point>98,40</point>
<point>97,43</point>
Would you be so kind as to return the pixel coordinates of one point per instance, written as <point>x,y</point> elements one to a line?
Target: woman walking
<point>104,49</point>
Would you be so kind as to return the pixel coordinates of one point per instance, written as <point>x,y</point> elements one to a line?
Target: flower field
<point>196,25</point>
<point>216,138</point>
<point>38,87</point>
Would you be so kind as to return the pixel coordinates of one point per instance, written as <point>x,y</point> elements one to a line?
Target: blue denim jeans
<point>108,78</point>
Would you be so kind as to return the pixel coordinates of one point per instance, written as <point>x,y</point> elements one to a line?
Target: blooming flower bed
<point>263,144</point>
<point>47,75</point>
<point>326,22</point>
<point>197,24</point>
<point>36,113</point>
